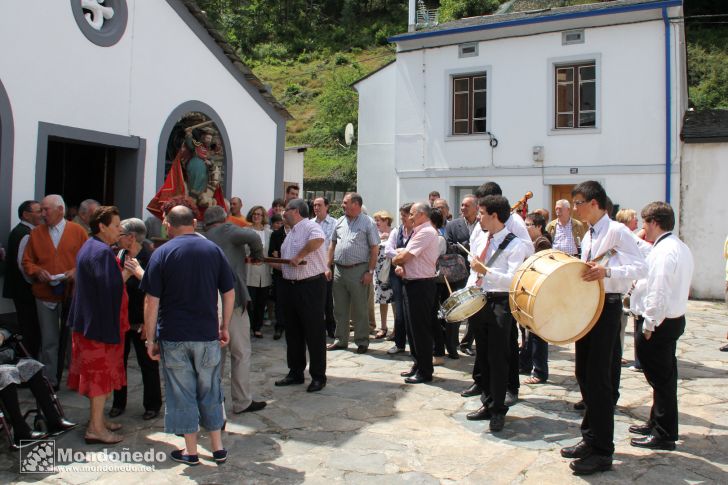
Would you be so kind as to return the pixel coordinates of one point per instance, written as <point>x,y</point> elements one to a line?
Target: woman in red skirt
<point>98,316</point>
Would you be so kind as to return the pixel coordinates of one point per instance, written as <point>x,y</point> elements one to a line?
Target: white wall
<point>376,177</point>
<point>704,214</point>
<point>293,168</point>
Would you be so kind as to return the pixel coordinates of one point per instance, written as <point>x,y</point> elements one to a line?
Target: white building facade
<point>534,101</point>
<point>121,88</point>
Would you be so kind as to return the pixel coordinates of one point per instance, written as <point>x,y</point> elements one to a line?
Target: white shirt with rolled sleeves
<point>501,271</point>
<point>626,265</point>
<point>664,292</point>
<point>514,224</point>
<point>303,232</point>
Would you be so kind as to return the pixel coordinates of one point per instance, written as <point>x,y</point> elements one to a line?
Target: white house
<point>92,90</point>
<point>537,101</point>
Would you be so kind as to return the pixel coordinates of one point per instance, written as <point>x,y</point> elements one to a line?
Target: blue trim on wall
<point>668,107</point>
<point>537,20</point>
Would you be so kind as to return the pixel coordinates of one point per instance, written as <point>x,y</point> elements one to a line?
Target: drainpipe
<point>412,12</point>
<point>668,107</point>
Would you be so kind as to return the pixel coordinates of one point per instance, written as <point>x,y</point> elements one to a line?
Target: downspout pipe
<point>668,107</point>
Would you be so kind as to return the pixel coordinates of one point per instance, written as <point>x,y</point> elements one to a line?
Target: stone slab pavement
<point>367,426</point>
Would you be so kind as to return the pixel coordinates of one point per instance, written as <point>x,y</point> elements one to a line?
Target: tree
<point>457,9</point>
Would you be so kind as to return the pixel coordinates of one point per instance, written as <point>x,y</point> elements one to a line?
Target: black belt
<point>349,266</point>
<point>407,282</point>
<point>613,297</point>
<point>305,280</point>
<point>496,295</point>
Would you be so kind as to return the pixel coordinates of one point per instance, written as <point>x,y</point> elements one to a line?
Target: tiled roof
<point>706,126</point>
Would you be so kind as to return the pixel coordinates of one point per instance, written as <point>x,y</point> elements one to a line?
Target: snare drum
<point>462,304</point>
<point>549,297</point>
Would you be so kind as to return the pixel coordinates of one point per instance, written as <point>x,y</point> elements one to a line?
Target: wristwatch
<point>607,272</point>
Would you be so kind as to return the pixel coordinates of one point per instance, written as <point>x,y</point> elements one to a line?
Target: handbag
<point>452,267</point>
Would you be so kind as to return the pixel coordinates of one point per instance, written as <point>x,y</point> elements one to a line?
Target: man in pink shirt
<point>416,265</point>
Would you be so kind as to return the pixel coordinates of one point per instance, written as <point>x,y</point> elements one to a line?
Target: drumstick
<point>473,256</point>
<point>448,284</point>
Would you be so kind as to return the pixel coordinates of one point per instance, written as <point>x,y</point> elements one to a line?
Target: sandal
<point>381,333</point>
<point>533,380</point>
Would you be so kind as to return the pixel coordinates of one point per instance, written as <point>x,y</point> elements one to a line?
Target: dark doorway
<point>79,171</point>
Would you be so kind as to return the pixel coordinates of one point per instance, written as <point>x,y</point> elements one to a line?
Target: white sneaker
<point>394,350</point>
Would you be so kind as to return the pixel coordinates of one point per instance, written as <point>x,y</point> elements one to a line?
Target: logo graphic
<point>38,457</point>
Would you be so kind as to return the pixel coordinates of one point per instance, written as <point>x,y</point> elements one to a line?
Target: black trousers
<point>514,383</point>
<point>494,328</point>
<point>278,299</point>
<point>657,356</point>
<point>329,308</point>
<point>400,328</point>
<point>594,369</point>
<point>28,323</point>
<point>152,397</point>
<point>256,306</point>
<point>420,304</point>
<point>303,303</point>
<point>42,394</point>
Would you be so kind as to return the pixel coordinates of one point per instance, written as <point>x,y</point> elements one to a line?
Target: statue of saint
<point>197,166</point>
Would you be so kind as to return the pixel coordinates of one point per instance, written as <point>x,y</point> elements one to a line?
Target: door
<point>559,192</point>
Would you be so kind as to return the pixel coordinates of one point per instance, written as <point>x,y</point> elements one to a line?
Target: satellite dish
<point>349,134</point>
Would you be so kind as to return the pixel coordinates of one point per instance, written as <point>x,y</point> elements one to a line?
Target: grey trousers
<point>49,322</point>
<point>350,293</point>
<point>240,352</point>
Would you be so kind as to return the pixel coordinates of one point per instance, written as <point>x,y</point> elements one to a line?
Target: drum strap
<point>509,237</point>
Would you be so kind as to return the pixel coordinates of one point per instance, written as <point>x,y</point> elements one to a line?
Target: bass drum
<point>548,297</point>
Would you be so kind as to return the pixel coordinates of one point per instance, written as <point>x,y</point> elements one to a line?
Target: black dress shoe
<point>277,334</point>
<point>62,426</point>
<point>289,380</point>
<point>511,398</point>
<point>481,414</point>
<point>34,437</point>
<point>316,385</point>
<point>591,464</point>
<point>580,450</point>
<point>417,379</point>
<point>653,443</point>
<point>335,346</point>
<point>409,373</point>
<point>453,355</point>
<point>643,429</point>
<point>115,412</point>
<point>254,406</point>
<point>580,406</point>
<point>362,349</point>
<point>467,351</point>
<point>497,421</point>
<point>473,390</point>
<point>150,414</point>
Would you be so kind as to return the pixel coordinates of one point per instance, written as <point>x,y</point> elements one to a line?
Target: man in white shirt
<point>498,256</point>
<point>595,351</point>
<point>664,300</point>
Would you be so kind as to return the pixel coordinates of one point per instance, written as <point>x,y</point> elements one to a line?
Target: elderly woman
<point>134,255</point>
<point>15,370</point>
<point>98,316</point>
<point>259,275</point>
<point>383,293</point>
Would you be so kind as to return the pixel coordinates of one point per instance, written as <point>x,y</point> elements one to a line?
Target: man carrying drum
<point>498,255</point>
<point>594,351</point>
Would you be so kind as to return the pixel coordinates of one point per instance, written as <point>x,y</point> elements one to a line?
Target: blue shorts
<point>193,387</point>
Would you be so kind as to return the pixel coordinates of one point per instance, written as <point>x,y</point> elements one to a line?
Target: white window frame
<point>450,75</point>
<point>552,65</point>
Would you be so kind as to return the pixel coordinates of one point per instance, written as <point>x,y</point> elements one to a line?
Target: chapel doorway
<point>559,192</point>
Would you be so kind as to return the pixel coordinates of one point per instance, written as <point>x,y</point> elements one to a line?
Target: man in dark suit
<point>16,286</point>
<point>459,231</point>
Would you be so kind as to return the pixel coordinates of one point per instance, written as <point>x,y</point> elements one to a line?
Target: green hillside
<point>310,51</point>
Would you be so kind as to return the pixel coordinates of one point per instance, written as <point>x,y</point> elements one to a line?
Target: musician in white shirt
<point>663,296</point>
<point>597,352</point>
<point>493,325</point>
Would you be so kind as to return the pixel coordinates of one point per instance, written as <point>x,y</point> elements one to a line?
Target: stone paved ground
<point>367,426</point>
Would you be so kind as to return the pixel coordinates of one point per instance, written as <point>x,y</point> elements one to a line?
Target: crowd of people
<point>215,279</point>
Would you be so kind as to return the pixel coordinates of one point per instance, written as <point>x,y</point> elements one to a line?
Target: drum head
<point>567,306</point>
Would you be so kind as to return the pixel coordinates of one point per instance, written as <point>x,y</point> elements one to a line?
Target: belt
<point>613,297</point>
<point>407,282</point>
<point>305,280</point>
<point>496,295</point>
<point>349,266</point>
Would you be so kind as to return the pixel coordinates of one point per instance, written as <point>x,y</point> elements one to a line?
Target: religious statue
<point>197,176</point>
